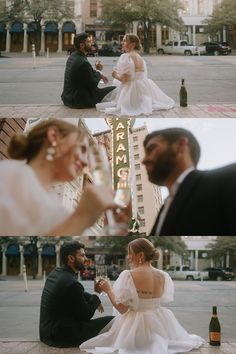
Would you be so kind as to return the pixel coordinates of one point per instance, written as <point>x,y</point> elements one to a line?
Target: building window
<point>140,198</point>
<point>200,7</point>
<point>216,3</point>
<point>139,187</point>
<point>135,138</point>
<point>93,8</point>
<point>137,166</point>
<point>138,177</point>
<point>141,210</point>
<point>142,223</point>
<point>136,156</point>
<point>186,7</point>
<point>135,147</point>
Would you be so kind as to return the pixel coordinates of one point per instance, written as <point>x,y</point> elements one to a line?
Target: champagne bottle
<point>214,328</point>
<point>183,96</point>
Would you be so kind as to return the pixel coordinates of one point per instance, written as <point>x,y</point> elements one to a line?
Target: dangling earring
<point>140,262</point>
<point>51,152</point>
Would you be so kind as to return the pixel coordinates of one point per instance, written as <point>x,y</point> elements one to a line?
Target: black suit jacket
<point>66,310</point>
<point>80,83</point>
<point>205,204</point>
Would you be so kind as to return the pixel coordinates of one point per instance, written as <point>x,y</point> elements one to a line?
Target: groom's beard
<point>78,265</point>
<point>163,167</point>
<point>88,48</point>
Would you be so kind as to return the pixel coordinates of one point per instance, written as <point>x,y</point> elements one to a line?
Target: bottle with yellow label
<point>214,328</point>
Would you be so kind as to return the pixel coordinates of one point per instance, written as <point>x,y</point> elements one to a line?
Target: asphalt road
<point>209,79</point>
<point>19,310</point>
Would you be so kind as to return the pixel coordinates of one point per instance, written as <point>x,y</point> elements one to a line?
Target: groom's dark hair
<point>173,134</point>
<point>80,38</point>
<point>69,248</point>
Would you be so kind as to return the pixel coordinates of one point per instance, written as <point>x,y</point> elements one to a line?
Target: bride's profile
<point>142,326</point>
<point>135,93</point>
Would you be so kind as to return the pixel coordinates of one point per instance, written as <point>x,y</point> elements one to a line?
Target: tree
<point>224,14</point>
<point>35,11</point>
<point>119,244</point>
<point>148,12</point>
<point>224,245</point>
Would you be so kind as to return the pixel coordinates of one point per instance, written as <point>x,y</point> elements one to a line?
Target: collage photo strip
<point>118,177</point>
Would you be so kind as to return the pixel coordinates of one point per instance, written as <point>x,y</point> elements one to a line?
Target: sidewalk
<point>61,111</point>
<point>33,346</point>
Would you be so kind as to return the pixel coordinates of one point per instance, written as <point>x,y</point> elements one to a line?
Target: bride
<point>135,94</point>
<point>143,326</point>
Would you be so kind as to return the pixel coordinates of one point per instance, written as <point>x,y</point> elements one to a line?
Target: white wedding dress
<point>26,208</point>
<point>139,95</point>
<point>146,328</point>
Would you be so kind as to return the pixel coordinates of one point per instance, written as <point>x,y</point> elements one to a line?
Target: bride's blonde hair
<point>145,246</point>
<point>133,38</point>
<point>27,146</point>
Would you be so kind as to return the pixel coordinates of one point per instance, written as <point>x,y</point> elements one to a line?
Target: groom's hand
<point>98,65</point>
<point>100,308</point>
<point>97,288</point>
<point>105,79</point>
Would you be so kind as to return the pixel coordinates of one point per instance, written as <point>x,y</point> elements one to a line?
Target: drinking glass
<point>101,172</point>
<point>101,273</point>
<point>97,62</point>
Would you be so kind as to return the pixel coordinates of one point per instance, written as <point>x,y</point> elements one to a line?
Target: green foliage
<point>172,243</point>
<point>224,14</point>
<point>164,12</point>
<point>34,10</point>
<point>223,245</point>
<point>120,244</point>
<point>27,11</point>
<point>115,244</point>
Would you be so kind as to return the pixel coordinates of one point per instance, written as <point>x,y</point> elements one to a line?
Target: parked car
<point>215,48</point>
<point>88,273</point>
<point>179,47</point>
<point>220,273</point>
<point>183,272</point>
<point>110,50</point>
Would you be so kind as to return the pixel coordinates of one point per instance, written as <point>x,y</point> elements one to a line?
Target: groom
<point>66,308</point>
<point>80,79</point>
<point>200,202</point>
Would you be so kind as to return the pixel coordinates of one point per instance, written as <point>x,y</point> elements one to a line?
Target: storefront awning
<point>17,27</point>
<point>51,28</point>
<point>12,250</point>
<point>2,28</point>
<point>31,27</point>
<point>69,27</point>
<point>26,252</point>
<point>48,251</point>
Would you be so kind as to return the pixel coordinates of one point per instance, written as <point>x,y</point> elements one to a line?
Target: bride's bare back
<point>149,282</point>
<point>138,62</point>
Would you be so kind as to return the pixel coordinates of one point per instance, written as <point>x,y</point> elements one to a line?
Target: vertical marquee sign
<point>120,128</point>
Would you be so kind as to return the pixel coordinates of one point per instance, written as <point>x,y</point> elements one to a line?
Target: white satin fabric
<point>138,96</point>
<point>26,208</point>
<point>146,328</point>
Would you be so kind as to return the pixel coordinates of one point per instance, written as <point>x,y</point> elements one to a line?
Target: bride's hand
<point>105,285</point>
<point>114,73</point>
<point>94,200</point>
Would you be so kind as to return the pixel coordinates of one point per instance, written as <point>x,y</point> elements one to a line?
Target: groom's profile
<point>199,202</point>
<point>81,80</point>
<point>66,309</point>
